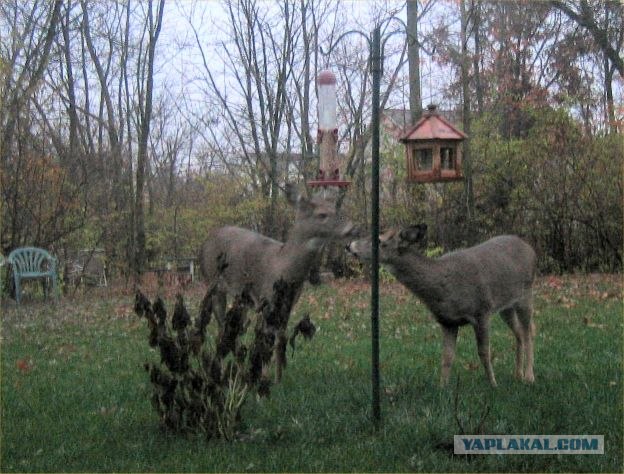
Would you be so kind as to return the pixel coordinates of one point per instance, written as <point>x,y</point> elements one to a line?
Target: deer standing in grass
<point>244,260</point>
<point>466,287</point>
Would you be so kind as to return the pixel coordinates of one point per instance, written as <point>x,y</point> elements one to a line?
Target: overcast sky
<point>180,56</point>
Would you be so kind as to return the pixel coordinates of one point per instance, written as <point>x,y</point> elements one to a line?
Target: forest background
<point>138,126</point>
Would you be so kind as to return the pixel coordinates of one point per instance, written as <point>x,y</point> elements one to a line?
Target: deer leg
<point>449,334</point>
<point>482,333</point>
<point>509,316</point>
<point>525,315</point>
<point>220,305</point>
<point>280,355</point>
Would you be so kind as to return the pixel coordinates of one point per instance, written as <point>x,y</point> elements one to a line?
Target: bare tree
<point>413,54</point>
<point>31,28</point>
<point>145,86</point>
<point>466,110</point>
<point>255,110</point>
<point>33,32</point>
<point>312,15</point>
<point>101,91</point>
<point>585,15</point>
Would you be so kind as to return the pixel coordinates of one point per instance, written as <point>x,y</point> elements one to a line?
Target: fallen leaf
<point>566,302</point>
<point>597,326</point>
<point>588,322</point>
<point>66,350</point>
<point>24,365</point>
<point>471,365</point>
<point>554,282</point>
<point>124,310</point>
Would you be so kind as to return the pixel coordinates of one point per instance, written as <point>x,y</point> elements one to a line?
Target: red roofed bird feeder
<point>329,170</point>
<point>433,148</point>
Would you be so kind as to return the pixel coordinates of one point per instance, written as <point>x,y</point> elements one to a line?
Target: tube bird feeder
<point>327,138</point>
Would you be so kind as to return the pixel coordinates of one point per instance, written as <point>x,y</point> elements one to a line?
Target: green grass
<point>76,398</point>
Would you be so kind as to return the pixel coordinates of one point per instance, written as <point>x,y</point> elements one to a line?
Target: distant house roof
<point>400,118</point>
<point>432,126</point>
<point>396,121</point>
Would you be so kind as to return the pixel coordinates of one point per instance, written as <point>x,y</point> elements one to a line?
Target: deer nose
<point>347,230</point>
<point>352,232</point>
<point>349,249</point>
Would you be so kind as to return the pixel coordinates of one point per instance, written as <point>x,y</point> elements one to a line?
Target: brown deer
<point>244,260</point>
<point>466,287</point>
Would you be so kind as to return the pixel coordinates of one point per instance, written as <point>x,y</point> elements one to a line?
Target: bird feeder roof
<point>432,126</point>
<point>326,77</point>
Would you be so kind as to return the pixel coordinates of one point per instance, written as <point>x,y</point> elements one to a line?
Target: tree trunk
<point>466,117</point>
<point>608,84</point>
<point>609,106</point>
<point>476,61</point>
<point>271,221</point>
<point>144,130</point>
<point>71,86</point>
<point>413,58</point>
<point>307,144</point>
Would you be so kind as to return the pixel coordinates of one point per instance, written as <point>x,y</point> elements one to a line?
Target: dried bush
<point>200,385</point>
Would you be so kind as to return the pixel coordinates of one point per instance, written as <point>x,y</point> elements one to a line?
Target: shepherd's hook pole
<point>376,65</point>
<point>376,76</point>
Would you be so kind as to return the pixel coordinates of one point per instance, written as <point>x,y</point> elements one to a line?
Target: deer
<point>465,287</point>
<point>242,260</point>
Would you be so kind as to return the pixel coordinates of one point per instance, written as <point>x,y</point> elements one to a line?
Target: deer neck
<point>297,256</point>
<point>420,274</point>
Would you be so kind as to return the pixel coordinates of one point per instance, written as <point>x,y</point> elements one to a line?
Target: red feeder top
<point>432,126</point>
<point>326,77</point>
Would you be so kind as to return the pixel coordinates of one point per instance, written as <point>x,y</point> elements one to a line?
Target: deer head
<point>392,243</point>
<point>316,219</point>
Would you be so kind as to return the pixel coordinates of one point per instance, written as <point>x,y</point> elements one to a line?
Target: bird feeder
<point>327,138</point>
<point>433,149</point>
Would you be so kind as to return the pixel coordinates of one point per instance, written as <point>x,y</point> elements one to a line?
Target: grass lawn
<point>75,396</point>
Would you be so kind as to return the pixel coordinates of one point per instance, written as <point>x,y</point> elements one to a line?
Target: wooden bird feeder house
<point>433,149</point>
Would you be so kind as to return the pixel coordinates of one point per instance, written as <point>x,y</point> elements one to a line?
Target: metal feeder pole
<point>376,76</point>
<point>375,56</point>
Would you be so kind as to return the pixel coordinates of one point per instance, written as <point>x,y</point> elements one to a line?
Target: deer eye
<point>322,215</point>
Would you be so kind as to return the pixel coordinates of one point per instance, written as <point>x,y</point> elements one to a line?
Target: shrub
<point>200,386</point>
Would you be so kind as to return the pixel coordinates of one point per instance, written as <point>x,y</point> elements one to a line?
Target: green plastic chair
<point>31,263</point>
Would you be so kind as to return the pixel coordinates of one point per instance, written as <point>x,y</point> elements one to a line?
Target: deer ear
<point>297,199</point>
<point>387,235</point>
<point>292,194</point>
<point>422,229</point>
<point>414,233</point>
<point>305,205</point>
